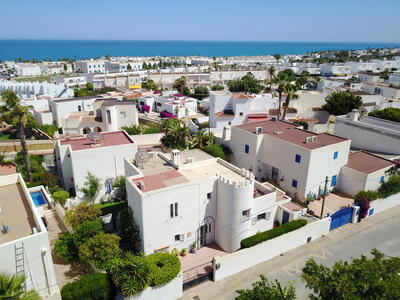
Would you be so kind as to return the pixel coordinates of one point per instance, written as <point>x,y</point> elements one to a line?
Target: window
<point>261,216</point>
<point>209,195</point>
<point>241,114</point>
<point>294,183</point>
<point>229,123</point>
<point>382,179</point>
<point>333,182</point>
<point>158,104</point>
<point>141,103</point>
<point>297,158</point>
<point>108,117</point>
<point>122,114</point>
<point>246,214</point>
<point>335,155</point>
<point>173,210</point>
<point>177,237</point>
<point>246,148</point>
<point>79,108</point>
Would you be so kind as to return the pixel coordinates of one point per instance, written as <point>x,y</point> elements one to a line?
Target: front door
<point>275,172</point>
<point>285,217</point>
<point>203,235</point>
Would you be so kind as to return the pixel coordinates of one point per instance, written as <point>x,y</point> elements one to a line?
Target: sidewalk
<point>348,241</point>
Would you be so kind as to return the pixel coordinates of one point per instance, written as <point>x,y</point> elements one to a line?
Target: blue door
<point>341,217</point>
<point>285,217</point>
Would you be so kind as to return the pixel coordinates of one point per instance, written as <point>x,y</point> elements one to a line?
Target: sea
<point>80,49</point>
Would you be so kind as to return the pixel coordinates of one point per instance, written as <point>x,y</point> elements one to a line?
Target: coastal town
<point>167,177</point>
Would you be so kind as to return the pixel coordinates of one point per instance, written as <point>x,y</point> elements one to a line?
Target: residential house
<point>24,69</point>
<point>177,105</point>
<point>90,66</point>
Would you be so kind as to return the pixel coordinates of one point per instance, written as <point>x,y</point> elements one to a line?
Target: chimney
<point>259,130</point>
<point>226,133</point>
<point>353,115</point>
<point>175,157</point>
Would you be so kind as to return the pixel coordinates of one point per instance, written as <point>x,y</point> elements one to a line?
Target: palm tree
<point>201,139</point>
<point>272,71</point>
<point>282,81</point>
<point>18,116</point>
<point>13,288</point>
<point>176,134</point>
<point>290,91</point>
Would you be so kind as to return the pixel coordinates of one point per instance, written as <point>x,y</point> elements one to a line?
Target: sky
<point>208,20</point>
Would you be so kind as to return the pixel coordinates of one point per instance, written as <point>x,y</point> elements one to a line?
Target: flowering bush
<point>364,205</point>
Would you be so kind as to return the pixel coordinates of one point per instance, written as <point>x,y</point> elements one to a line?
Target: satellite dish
<point>94,137</point>
<point>142,157</point>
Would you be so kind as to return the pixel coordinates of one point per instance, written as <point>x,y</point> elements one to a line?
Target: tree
<point>384,75</point>
<point>91,187</point>
<point>18,116</point>
<point>176,134</point>
<point>100,250</point>
<point>362,278</point>
<point>120,187</point>
<point>65,247</point>
<point>129,230</point>
<point>81,213</point>
<point>263,290</point>
<point>181,85</point>
<point>89,86</point>
<point>12,288</point>
<point>341,103</point>
<point>389,113</point>
<point>201,92</point>
<point>60,197</point>
<point>271,71</point>
<point>217,87</point>
<point>86,230</point>
<point>201,138</point>
<point>283,82</point>
<point>129,67</point>
<point>247,84</point>
<point>133,129</point>
<point>150,85</point>
<point>290,90</point>
<point>277,56</point>
<point>65,68</point>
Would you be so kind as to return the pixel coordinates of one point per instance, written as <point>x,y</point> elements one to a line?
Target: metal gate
<point>197,274</point>
<point>341,217</point>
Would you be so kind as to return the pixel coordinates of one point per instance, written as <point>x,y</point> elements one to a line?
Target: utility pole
<point>323,198</point>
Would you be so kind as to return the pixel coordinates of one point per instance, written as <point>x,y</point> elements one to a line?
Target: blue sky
<point>224,20</point>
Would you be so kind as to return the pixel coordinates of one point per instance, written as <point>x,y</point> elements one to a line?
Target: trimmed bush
<point>65,247</point>
<point>152,129</point>
<point>370,195</point>
<point>89,287</point>
<point>164,267</point>
<point>390,187</point>
<point>215,150</point>
<point>60,197</point>
<point>272,233</point>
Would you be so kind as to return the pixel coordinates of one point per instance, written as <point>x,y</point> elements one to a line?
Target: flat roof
<point>15,213</point>
<point>114,138</point>
<point>291,133</point>
<point>366,163</point>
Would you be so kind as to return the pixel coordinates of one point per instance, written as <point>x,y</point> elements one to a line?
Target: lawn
<point>34,78</point>
<point>5,137</point>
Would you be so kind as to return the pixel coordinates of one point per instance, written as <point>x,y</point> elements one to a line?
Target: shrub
<point>390,187</point>
<point>89,287</point>
<point>164,267</point>
<point>61,197</point>
<point>390,113</point>
<point>273,233</point>
<point>82,213</point>
<point>152,129</point>
<point>65,247</point>
<point>100,249</point>
<point>214,150</point>
<point>363,203</point>
<point>370,195</point>
<point>86,230</point>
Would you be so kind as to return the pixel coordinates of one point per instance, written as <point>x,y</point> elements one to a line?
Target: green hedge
<point>112,207</point>
<point>272,233</point>
<point>164,267</point>
<point>89,287</point>
<point>370,195</point>
<point>387,188</point>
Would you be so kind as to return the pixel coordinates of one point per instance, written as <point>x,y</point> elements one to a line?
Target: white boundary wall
<point>247,258</point>
<point>381,205</point>
<point>169,291</point>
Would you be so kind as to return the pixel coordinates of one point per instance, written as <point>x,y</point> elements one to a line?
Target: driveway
<point>333,203</point>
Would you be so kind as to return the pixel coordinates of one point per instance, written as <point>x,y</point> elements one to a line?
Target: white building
<point>389,91</point>
<point>90,66</point>
<point>363,172</point>
<point>116,67</point>
<point>369,77</point>
<point>192,197</point>
<point>104,158</point>
<point>394,79</point>
<point>177,105</point>
<point>357,67</point>
<point>298,160</point>
<point>36,89</point>
<point>122,80</point>
<point>335,70</point>
<point>236,109</point>
<point>368,133</point>
<point>24,243</point>
<point>23,69</point>
<point>70,81</point>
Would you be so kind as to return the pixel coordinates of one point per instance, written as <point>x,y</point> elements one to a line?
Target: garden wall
<point>246,258</point>
<point>169,291</point>
<point>147,139</point>
<point>380,205</point>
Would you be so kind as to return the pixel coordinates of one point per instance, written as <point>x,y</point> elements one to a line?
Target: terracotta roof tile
<point>366,162</point>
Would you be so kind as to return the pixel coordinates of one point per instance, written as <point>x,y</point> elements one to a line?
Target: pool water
<point>38,198</point>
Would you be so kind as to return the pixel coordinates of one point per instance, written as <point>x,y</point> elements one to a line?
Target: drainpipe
<point>44,250</point>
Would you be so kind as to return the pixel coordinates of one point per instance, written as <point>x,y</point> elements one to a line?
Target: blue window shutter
<point>382,179</point>
<point>333,182</point>
<point>246,148</point>
<point>297,158</point>
<point>335,155</point>
<point>294,183</point>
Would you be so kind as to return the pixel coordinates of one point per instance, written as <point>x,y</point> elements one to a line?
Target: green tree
<point>65,247</point>
<point>86,230</point>
<point>181,85</point>
<point>130,274</point>
<point>217,87</point>
<point>362,278</point>
<point>277,56</point>
<point>176,134</point>
<point>264,290</point>
<point>341,103</point>
<point>133,129</point>
<point>89,86</point>
<point>201,138</point>
<point>120,187</point>
<point>91,187</point>
<point>12,288</point>
<point>129,67</point>
<point>129,233</point>
<point>389,113</point>
<point>65,67</point>
<point>200,92</point>
<point>247,84</point>
<point>100,250</point>
<point>283,82</point>
<point>18,116</point>
<point>60,197</point>
<point>384,75</point>
<point>150,85</point>
<point>82,213</point>
<point>290,90</point>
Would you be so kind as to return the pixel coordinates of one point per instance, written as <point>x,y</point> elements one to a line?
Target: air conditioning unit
<point>314,138</point>
<point>259,130</point>
<point>181,237</point>
<point>308,140</point>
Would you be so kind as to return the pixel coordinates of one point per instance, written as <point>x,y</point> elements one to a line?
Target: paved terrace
<point>15,212</point>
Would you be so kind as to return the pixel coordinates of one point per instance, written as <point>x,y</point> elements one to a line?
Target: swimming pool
<point>38,198</point>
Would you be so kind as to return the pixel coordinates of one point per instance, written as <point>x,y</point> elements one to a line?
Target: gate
<point>197,274</point>
<point>341,217</point>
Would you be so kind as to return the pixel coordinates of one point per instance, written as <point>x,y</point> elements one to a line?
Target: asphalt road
<point>352,240</point>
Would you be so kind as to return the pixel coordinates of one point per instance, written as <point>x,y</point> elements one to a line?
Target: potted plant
<point>193,247</point>
<point>175,252</point>
<point>183,252</point>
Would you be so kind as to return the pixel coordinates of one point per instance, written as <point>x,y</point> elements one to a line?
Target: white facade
<point>27,242</point>
<point>115,67</point>
<point>70,81</point>
<point>329,70</point>
<point>394,79</point>
<point>77,156</point>
<point>23,69</point>
<point>386,90</point>
<point>223,206</point>
<point>178,105</point>
<point>117,114</point>
<point>368,133</point>
<point>90,66</point>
